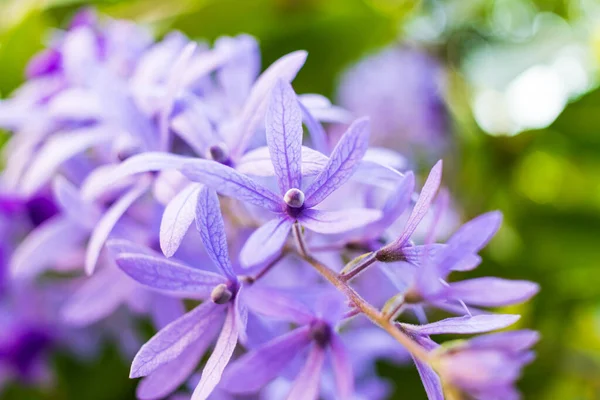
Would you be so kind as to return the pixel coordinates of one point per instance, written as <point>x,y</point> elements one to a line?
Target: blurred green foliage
<point>547,182</point>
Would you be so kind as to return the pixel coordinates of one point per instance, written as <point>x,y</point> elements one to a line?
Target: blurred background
<point>506,91</point>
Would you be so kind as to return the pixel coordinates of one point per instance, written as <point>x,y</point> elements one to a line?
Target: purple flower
<point>316,335</point>
<point>293,203</point>
<point>487,366</point>
<point>121,143</point>
<point>194,331</point>
<point>401,89</point>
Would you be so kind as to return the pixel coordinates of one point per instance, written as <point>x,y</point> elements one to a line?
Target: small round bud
<point>219,153</point>
<point>294,198</point>
<point>320,331</point>
<point>221,294</point>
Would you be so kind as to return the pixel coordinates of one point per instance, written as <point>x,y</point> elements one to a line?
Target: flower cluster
<point>142,174</point>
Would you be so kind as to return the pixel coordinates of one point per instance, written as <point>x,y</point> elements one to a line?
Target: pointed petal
<point>342,368</point>
<point>175,338</point>
<point>163,274</point>
<point>492,292</point>
<point>283,123</point>
<point>421,207</point>
<point>241,314</point>
<point>218,360</point>
<point>97,298</point>
<point>58,149</point>
<point>470,238</point>
<point>194,127</point>
<point>174,85</point>
<point>118,246</point>
<point>169,376</point>
<point>258,162</point>
<point>318,135</point>
<point>255,369</point>
<point>419,254</point>
<point>254,110</point>
<point>395,205</point>
<point>465,325</point>
<point>69,200</point>
<point>177,218</point>
<point>330,222</point>
<point>514,342</point>
<point>45,245</point>
<point>107,223</point>
<point>431,381</point>
<point>266,242</point>
<point>276,303</point>
<point>145,162</point>
<point>209,223</point>
<point>306,385</point>
<point>228,182</point>
<point>341,165</point>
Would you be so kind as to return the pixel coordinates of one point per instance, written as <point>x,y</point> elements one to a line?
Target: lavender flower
<point>315,333</point>
<point>123,144</point>
<point>292,205</point>
<point>486,366</point>
<point>402,90</point>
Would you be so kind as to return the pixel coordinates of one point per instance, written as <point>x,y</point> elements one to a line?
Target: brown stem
<point>370,312</point>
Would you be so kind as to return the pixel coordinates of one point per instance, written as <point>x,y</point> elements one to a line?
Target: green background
<point>547,181</point>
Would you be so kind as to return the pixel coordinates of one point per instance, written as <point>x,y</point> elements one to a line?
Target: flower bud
<point>221,294</point>
<point>294,198</point>
<point>219,153</point>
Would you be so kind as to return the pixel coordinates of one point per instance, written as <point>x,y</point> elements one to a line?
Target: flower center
<point>294,198</point>
<point>219,153</point>
<point>221,294</point>
<point>320,332</point>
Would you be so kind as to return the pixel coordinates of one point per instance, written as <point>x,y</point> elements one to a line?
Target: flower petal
<point>306,385</point>
<point>465,325</point>
<point>69,200</point>
<point>193,126</point>
<point>492,292</point>
<point>218,360</point>
<point>175,338</point>
<point>330,222</point>
<point>145,162</point>
<point>342,163</point>
<point>163,274</point>
<point>283,122</point>
<point>58,149</point>
<point>266,242</point>
<point>107,223</point>
<point>276,303</point>
<point>285,68</point>
<point>342,368</point>
<point>97,298</point>
<point>470,238</point>
<point>45,245</point>
<point>431,381</point>
<point>209,223</point>
<point>255,369</point>
<point>177,218</point>
<point>169,376</point>
<point>228,182</point>
<point>258,162</point>
<point>421,207</point>
<point>315,129</point>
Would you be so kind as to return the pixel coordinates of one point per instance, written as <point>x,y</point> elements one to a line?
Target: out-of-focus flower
<point>486,367</point>
<point>402,90</point>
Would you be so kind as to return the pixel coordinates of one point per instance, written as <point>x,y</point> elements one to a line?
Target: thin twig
<point>368,310</point>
